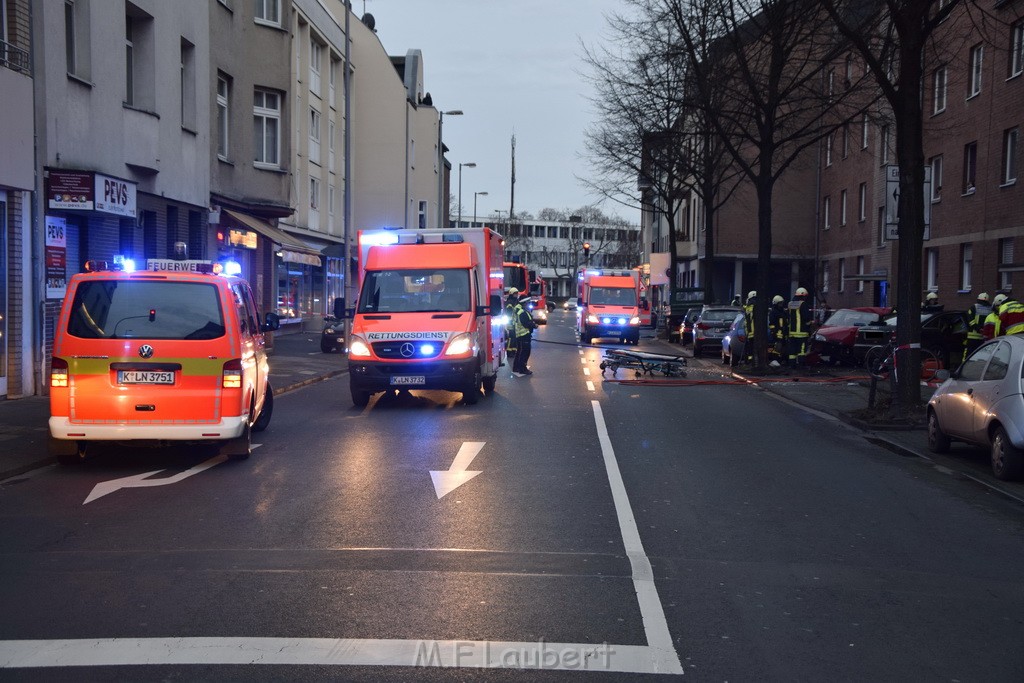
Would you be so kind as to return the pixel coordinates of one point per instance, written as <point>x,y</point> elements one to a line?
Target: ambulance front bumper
<point>226,428</point>
<point>447,375</point>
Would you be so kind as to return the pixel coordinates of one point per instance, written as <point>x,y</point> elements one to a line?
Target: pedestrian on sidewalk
<point>523,327</point>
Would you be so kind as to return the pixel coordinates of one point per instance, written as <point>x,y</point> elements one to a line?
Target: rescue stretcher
<point>643,363</point>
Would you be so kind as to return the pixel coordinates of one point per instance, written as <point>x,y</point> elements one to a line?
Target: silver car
<point>982,403</point>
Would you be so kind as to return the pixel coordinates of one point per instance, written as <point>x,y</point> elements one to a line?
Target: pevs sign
<point>89,191</point>
<point>115,196</point>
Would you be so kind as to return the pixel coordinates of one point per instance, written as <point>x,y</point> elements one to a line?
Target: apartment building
<point>17,189</point>
<point>973,100</point>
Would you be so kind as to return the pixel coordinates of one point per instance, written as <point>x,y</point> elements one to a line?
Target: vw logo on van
<point>407,350</point>
<point>146,351</point>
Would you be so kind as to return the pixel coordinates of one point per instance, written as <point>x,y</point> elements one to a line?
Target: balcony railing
<point>14,58</point>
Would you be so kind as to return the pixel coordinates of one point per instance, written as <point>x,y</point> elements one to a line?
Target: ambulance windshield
<point>124,309</point>
<point>612,296</point>
<point>415,291</point>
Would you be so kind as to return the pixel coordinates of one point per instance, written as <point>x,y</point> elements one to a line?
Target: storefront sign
<point>242,238</point>
<point>70,190</point>
<point>56,249</point>
<point>115,196</point>
<point>88,191</point>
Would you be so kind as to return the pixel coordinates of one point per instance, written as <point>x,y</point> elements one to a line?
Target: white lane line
<point>590,385</point>
<point>655,625</point>
<point>583,360</point>
<point>586,371</point>
<point>337,652</point>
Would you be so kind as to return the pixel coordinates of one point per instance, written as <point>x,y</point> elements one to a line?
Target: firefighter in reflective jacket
<point>523,327</point>
<point>800,319</point>
<point>748,314</point>
<point>778,328</point>
<point>990,328</point>
<point>1011,317</point>
<point>976,315</point>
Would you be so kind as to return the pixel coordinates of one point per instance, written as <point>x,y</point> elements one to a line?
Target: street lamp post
<point>440,164</point>
<point>475,195</point>
<point>471,164</point>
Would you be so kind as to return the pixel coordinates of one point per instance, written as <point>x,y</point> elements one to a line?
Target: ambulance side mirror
<point>273,322</point>
<point>645,304</point>
<point>495,309</point>
<point>580,301</point>
<point>339,307</point>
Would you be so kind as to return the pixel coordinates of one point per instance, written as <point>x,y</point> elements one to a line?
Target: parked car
<point>570,304</point>
<point>835,341</point>
<point>684,333</point>
<point>942,333</point>
<point>711,327</point>
<point>734,344</point>
<point>982,403</point>
<point>332,337</point>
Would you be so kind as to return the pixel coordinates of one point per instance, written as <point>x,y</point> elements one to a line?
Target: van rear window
<point>129,309</point>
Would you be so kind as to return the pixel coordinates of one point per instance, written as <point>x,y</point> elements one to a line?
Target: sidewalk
<point>295,361</point>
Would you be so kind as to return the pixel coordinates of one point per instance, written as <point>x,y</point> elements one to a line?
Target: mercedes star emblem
<point>407,350</point>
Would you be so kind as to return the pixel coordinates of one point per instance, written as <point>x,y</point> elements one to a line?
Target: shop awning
<point>292,249</point>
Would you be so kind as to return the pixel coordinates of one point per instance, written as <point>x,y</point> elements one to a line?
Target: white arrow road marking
<point>141,480</point>
<point>447,481</point>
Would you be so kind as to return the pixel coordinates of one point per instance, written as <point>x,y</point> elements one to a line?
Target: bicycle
<point>881,359</point>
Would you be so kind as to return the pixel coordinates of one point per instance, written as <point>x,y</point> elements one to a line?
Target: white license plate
<point>145,377</point>
<point>406,380</point>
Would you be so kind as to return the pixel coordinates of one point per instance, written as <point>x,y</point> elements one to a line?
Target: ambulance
<point>429,314</point>
<point>609,305</point>
<point>538,301</point>
<point>156,356</point>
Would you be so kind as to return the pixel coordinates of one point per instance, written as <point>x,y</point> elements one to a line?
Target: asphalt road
<point>633,531</point>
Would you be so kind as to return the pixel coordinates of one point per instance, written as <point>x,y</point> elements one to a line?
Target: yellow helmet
<point>777,299</point>
<point>800,291</point>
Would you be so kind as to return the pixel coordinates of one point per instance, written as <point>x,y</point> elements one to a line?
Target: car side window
<point>243,304</point>
<point>974,366</point>
<point>999,364</point>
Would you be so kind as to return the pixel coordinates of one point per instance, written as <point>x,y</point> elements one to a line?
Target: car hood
<point>839,334</point>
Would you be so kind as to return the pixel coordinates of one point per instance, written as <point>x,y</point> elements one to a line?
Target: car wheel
<point>938,441</point>
<point>1007,459</point>
<point>263,421</point>
<point>360,397</point>
<point>471,394</point>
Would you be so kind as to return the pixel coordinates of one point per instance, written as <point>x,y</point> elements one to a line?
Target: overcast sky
<point>512,68</point>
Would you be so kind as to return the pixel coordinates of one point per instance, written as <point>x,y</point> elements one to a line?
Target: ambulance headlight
<point>592,319</point>
<point>461,345</point>
<point>635,320</point>
<point>358,348</point>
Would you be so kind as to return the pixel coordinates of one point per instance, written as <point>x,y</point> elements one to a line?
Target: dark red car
<point>834,341</point>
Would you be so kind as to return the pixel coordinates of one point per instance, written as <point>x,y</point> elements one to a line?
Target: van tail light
<point>703,326</point>
<point>58,372</point>
<point>232,378</point>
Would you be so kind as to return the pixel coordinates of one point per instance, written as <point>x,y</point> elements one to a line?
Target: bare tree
<point>759,72</point>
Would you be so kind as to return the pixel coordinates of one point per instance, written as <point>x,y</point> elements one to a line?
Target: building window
<point>268,12</point>
<point>314,194</point>
<point>266,127</point>
<point>140,86</point>
<point>883,143</point>
<point>330,200</point>
<point>824,277</point>
<point>223,118</point>
<point>831,83</point>
<point>188,85</point>
<point>314,135</point>
<point>315,52</point>
<point>330,144</point>
<point>1010,138</point>
<point>848,73</point>
<point>332,75</point>
<point>1005,261</point>
<point>864,132</point>
<point>129,60</point>
<point>862,203</point>
<point>1017,49</point>
<point>931,269</point>
<point>842,207</point>
<point>846,140</point>
<point>936,164</point>
<point>860,273</point>
<point>842,275</point>
<point>828,149</point>
<point>966,256</point>
<point>939,80</point>
<point>974,76</point>
<point>422,214</point>
<point>970,167</point>
<point>826,210</point>
<point>69,36</point>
